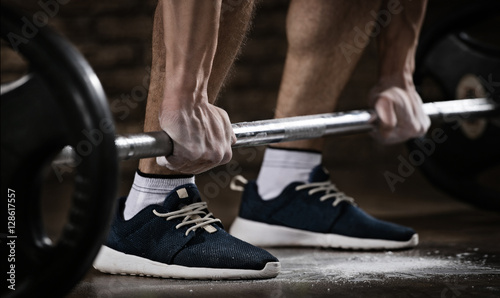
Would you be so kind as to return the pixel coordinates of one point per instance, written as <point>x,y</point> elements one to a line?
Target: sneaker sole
<point>114,262</point>
<point>266,235</point>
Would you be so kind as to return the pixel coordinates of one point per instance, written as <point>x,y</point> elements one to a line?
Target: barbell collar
<point>263,132</point>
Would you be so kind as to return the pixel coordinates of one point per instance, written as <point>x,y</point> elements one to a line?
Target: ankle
<point>282,167</point>
<point>151,189</point>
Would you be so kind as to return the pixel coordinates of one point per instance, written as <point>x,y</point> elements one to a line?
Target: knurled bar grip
<point>152,144</point>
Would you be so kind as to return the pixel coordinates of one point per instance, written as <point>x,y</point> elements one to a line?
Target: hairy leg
<point>234,23</point>
<point>316,69</point>
<point>236,18</point>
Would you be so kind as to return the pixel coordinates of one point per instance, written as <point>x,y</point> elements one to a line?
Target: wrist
<point>397,64</point>
<point>183,100</point>
<point>184,94</point>
<point>403,80</point>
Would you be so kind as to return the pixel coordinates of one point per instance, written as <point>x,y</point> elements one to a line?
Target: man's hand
<point>400,113</point>
<point>398,105</point>
<point>202,137</point>
<point>201,132</point>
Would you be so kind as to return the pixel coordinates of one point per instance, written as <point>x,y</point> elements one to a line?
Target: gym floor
<point>458,254</point>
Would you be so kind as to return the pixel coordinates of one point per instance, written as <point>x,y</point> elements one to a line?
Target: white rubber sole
<point>265,235</point>
<point>114,262</point>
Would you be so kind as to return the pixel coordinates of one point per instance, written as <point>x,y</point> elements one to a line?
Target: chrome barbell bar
<point>152,144</point>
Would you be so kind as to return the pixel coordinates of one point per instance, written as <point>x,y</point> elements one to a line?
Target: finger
<point>171,163</point>
<point>386,114</point>
<point>195,168</point>
<point>424,122</point>
<point>228,128</point>
<point>232,137</point>
<point>387,137</point>
<point>426,125</point>
<point>418,125</point>
<point>387,121</point>
<point>227,157</point>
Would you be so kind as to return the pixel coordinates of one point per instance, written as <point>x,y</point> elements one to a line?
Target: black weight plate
<point>54,106</point>
<point>447,55</point>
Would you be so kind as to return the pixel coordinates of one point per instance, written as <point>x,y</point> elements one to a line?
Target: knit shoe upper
<point>180,239</point>
<point>314,214</point>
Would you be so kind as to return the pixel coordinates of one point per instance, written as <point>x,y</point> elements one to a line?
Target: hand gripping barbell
<point>263,132</point>
<point>61,96</point>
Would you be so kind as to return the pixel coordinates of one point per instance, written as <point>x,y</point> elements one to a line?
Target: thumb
<point>386,114</point>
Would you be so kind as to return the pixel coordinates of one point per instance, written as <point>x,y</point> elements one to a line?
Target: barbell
<point>44,113</point>
<point>264,132</point>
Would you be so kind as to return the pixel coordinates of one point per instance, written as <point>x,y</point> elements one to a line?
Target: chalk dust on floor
<point>363,266</point>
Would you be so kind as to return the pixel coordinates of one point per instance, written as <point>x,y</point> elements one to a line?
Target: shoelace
<point>328,187</point>
<point>330,190</point>
<point>192,215</point>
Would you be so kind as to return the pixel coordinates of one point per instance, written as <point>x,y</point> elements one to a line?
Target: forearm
<point>190,37</point>
<point>397,42</point>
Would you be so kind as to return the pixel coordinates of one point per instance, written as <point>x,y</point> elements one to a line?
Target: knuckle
<point>216,157</point>
<point>227,157</point>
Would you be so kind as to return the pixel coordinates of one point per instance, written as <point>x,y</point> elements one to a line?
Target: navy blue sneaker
<point>314,214</point>
<point>180,239</point>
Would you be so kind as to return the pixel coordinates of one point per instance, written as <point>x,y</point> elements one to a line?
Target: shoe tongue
<point>181,196</point>
<point>319,174</point>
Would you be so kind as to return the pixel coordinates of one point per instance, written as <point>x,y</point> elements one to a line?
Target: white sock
<point>282,167</point>
<point>149,190</point>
